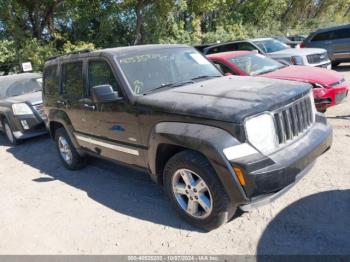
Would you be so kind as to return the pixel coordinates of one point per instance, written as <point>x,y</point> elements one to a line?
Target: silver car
<point>277,50</point>
<point>336,40</point>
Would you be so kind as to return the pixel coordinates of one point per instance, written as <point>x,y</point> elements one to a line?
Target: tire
<point>220,207</point>
<point>67,152</point>
<point>9,133</point>
<point>335,64</point>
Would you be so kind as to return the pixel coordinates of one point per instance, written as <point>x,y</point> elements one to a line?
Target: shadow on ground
<point>346,117</point>
<point>316,224</point>
<point>120,188</point>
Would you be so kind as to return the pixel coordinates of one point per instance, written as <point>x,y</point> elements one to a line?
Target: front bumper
<point>331,97</point>
<point>27,126</point>
<point>266,176</point>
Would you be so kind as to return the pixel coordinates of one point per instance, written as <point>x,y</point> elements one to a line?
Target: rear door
<point>73,94</point>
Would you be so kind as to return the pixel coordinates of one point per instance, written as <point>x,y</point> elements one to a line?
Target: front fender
<point>207,140</point>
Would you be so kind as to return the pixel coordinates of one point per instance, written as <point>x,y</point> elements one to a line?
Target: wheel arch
<point>169,138</point>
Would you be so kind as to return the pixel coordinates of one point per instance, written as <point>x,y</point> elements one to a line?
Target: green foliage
<point>35,30</point>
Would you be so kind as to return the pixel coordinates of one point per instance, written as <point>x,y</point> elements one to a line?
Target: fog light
<point>240,176</point>
<point>24,124</point>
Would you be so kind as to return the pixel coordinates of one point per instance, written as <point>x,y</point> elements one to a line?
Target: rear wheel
<point>67,152</point>
<point>196,192</point>
<point>9,133</point>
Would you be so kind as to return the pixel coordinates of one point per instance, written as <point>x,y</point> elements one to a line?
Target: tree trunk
<point>139,18</point>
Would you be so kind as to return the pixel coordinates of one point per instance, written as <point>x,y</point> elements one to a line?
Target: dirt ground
<point>109,209</point>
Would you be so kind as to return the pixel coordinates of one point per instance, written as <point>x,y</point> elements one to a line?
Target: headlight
<point>297,60</point>
<point>21,109</point>
<point>261,133</point>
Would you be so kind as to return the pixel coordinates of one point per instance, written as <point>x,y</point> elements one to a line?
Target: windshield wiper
<point>204,76</point>
<point>181,83</point>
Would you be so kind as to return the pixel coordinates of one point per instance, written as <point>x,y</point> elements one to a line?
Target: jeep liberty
<point>214,143</point>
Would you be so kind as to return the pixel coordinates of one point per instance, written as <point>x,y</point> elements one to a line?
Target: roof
<point>333,28</point>
<point>6,81</point>
<point>115,51</point>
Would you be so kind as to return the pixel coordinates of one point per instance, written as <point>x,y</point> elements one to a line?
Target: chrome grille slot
<point>293,119</point>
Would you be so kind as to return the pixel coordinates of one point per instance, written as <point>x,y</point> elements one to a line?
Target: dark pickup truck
<point>215,143</point>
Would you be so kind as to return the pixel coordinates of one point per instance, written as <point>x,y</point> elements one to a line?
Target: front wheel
<point>9,133</point>
<point>67,152</point>
<point>196,192</point>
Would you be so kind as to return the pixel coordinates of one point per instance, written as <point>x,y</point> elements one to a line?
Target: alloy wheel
<point>192,193</point>
<point>65,150</point>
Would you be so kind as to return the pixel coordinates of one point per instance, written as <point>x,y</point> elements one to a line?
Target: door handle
<point>89,107</point>
<point>61,103</point>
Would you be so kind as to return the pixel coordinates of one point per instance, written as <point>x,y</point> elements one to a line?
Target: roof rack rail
<point>81,51</point>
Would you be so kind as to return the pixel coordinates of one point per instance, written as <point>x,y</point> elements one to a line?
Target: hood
<point>298,51</point>
<point>229,99</point>
<point>30,98</point>
<point>306,74</point>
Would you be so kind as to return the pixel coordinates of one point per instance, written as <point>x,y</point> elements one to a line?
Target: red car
<point>330,87</point>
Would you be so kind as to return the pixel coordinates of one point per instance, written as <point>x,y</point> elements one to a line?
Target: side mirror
<point>104,93</point>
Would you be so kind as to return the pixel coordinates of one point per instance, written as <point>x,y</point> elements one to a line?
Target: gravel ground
<point>109,209</point>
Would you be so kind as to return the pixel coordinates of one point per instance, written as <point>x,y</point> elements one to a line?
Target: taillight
<point>302,45</point>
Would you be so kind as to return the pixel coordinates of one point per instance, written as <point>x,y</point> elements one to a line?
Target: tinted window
<point>341,33</point>
<point>51,80</point>
<point>321,37</point>
<point>100,73</point>
<point>246,46</point>
<point>73,82</point>
<point>223,48</point>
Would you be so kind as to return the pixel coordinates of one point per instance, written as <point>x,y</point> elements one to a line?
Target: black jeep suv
<point>215,143</point>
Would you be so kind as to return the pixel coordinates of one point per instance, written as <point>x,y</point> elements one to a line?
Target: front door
<point>111,127</point>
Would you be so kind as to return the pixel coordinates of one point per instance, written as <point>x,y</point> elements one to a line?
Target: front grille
<point>39,108</point>
<point>317,58</point>
<point>294,119</point>
<point>335,84</point>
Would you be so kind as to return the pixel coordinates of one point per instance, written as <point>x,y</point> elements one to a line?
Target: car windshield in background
<point>149,70</point>
<point>256,64</point>
<point>24,86</point>
<point>271,45</point>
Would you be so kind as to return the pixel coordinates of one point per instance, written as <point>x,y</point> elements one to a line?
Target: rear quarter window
<point>321,37</point>
<point>51,86</point>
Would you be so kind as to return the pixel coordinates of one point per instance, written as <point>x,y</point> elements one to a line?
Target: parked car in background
<point>336,40</point>
<point>215,143</point>
<point>287,41</point>
<point>299,38</point>
<point>21,107</point>
<point>276,50</point>
<point>329,87</point>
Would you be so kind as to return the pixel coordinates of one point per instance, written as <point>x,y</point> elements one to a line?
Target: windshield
<point>24,86</point>
<point>271,45</point>
<point>149,70</point>
<point>256,64</point>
